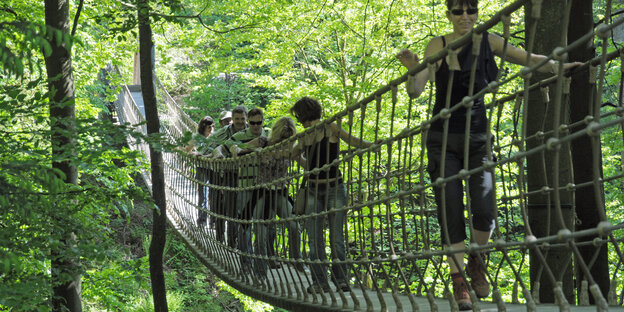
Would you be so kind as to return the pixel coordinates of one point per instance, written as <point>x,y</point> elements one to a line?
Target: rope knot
<point>463,174</point>
<point>603,31</point>
<point>604,228</point>
<point>445,113</point>
<point>526,73</point>
<point>559,53</point>
<point>593,129</point>
<point>467,102</point>
<point>564,235</point>
<point>540,135</point>
<point>530,240</point>
<point>493,86</point>
<point>570,187</point>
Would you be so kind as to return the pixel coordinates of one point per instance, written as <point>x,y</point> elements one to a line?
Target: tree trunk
<point>159,228</point>
<point>65,272</point>
<point>587,209</point>
<point>541,169</point>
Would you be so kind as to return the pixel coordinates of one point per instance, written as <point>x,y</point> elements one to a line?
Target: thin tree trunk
<point>581,92</point>
<point>159,228</point>
<point>62,115</point>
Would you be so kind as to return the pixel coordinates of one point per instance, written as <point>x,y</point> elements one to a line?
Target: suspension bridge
<point>543,254</point>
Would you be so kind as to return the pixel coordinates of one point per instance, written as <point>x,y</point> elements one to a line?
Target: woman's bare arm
<point>518,56</point>
<point>351,140</point>
<point>416,84</point>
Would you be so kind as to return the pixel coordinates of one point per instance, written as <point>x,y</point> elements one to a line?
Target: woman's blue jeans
<point>324,197</point>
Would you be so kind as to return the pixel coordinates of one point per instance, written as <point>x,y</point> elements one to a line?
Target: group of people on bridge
<point>326,189</point>
<point>243,132</point>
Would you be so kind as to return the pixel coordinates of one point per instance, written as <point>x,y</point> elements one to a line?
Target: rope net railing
<point>378,242</point>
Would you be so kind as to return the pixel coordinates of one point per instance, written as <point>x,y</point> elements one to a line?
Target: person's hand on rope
<point>258,143</point>
<point>217,154</point>
<point>234,149</point>
<point>570,66</point>
<point>554,66</point>
<point>407,58</point>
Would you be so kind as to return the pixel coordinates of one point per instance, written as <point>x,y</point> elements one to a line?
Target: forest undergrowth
<point>122,282</point>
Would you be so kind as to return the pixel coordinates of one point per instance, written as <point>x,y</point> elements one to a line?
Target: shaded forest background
<point>211,56</point>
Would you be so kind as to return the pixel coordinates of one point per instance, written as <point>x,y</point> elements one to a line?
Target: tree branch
<point>201,21</point>
<point>73,32</point>
<point>9,10</point>
<point>197,17</point>
<point>604,19</point>
<point>50,194</point>
<point>307,63</point>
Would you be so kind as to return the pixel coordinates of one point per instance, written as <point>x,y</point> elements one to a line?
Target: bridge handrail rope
<point>182,119</point>
<point>393,256</point>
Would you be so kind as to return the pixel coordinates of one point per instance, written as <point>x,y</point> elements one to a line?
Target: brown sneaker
<point>477,273</point>
<point>460,292</point>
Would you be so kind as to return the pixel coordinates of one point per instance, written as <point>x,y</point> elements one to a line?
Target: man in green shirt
<point>224,202</point>
<point>239,123</point>
<point>244,142</point>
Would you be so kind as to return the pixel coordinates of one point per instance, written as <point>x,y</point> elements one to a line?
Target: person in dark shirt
<point>463,14</point>
<point>326,192</point>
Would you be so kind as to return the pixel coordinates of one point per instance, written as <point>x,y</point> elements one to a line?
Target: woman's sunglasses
<point>470,11</point>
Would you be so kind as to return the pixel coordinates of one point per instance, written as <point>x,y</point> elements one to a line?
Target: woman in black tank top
<point>463,14</point>
<point>326,191</point>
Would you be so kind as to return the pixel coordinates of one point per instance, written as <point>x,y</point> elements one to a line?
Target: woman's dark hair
<point>306,109</point>
<point>469,3</point>
<point>203,124</point>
